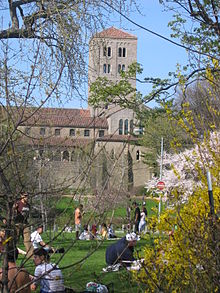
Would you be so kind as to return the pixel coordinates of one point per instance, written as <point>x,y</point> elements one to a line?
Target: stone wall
<point>109,165</point>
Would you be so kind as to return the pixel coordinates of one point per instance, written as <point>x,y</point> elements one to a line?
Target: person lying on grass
<point>122,251</point>
<point>46,274</point>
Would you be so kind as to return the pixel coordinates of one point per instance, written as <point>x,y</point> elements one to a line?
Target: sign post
<point>161,175</point>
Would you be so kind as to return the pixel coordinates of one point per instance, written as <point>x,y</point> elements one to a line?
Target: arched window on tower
<point>109,52</point>
<point>119,68</point>
<point>119,52</point>
<point>120,127</point>
<point>104,51</point>
<point>123,67</point>
<point>104,68</point>
<point>124,52</point>
<point>131,126</point>
<point>126,127</point>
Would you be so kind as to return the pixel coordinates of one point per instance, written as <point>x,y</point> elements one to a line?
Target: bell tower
<point>110,52</point>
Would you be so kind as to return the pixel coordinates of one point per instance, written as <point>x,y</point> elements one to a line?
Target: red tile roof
<point>114,33</point>
<point>62,118</point>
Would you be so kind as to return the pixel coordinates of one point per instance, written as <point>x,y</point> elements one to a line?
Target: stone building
<point>91,148</point>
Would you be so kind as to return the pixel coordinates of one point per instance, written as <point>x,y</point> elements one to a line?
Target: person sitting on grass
<point>46,274</point>
<point>122,251</point>
<point>85,235</point>
<point>94,232</point>
<point>38,242</point>
<point>104,232</point>
<point>17,277</point>
<point>111,233</point>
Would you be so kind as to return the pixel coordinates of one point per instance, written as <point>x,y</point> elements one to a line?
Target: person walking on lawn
<point>78,220</point>
<point>137,216</point>
<point>142,223</point>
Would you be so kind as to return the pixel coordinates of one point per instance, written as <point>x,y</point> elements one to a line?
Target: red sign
<point>161,185</point>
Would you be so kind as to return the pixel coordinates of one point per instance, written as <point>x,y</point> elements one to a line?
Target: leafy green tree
<point>157,125</point>
<point>196,23</point>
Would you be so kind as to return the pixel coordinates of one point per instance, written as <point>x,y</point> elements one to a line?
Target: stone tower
<point>110,52</point>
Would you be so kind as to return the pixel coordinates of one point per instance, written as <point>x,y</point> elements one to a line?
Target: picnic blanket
<point>129,265</point>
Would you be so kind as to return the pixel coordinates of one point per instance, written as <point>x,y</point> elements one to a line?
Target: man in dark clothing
<point>122,250</point>
<point>21,215</point>
<point>137,216</point>
<point>144,208</point>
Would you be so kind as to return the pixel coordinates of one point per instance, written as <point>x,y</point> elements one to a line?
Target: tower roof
<point>114,33</point>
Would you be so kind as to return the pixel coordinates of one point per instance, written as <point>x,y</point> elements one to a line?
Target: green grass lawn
<point>78,270</point>
<point>64,210</point>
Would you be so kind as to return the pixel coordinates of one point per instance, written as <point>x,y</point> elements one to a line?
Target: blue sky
<point>157,56</point>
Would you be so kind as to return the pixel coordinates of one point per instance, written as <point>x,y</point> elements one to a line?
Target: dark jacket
<point>22,211</point>
<point>119,251</point>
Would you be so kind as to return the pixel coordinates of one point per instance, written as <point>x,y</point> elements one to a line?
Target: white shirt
<point>36,239</point>
<point>143,216</point>
<point>52,281</point>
